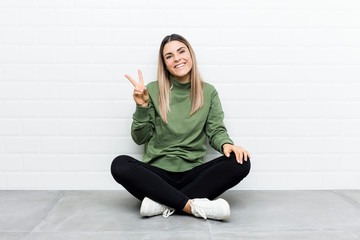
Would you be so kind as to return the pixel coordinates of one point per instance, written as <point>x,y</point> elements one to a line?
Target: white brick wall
<point>287,73</point>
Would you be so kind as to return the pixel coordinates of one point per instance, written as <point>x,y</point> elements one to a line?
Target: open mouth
<point>180,65</point>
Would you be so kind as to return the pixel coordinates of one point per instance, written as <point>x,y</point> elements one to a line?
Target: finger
<point>227,154</point>
<point>139,90</point>
<point>241,157</point>
<point>245,156</point>
<point>237,156</point>
<point>141,77</point>
<point>131,80</point>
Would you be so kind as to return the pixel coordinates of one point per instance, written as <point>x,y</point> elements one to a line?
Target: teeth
<point>180,65</point>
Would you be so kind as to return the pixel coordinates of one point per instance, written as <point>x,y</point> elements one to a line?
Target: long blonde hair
<point>163,76</point>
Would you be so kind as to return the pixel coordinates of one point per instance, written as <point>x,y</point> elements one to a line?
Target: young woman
<point>173,118</point>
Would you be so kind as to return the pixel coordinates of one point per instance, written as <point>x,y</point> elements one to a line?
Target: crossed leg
<point>208,180</point>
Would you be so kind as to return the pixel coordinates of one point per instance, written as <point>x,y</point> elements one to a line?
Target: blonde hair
<point>163,76</point>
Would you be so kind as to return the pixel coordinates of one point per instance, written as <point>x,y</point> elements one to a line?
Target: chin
<point>180,74</point>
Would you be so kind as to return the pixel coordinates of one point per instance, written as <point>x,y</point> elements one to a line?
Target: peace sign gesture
<point>141,95</point>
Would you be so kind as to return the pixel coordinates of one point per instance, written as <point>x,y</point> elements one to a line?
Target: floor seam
<point>347,198</point>
<point>211,234</point>
<point>48,213</point>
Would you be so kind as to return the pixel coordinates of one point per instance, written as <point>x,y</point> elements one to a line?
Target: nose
<point>177,57</point>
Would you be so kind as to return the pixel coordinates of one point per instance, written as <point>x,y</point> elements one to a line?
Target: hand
<point>239,152</point>
<point>141,95</point>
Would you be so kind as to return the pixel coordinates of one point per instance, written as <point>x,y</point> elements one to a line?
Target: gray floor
<point>80,215</point>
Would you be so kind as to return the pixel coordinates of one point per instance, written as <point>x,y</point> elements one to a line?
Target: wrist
<point>144,105</point>
<point>226,144</point>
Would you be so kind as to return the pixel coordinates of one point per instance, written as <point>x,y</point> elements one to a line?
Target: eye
<point>168,57</point>
<point>182,51</point>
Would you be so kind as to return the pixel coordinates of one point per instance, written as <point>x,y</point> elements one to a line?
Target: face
<point>177,59</point>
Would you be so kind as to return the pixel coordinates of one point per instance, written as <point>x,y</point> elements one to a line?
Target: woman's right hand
<point>141,95</point>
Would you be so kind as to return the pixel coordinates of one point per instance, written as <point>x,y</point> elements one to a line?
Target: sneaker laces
<point>200,209</point>
<point>168,212</point>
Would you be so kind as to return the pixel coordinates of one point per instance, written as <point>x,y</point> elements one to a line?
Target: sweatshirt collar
<point>178,84</point>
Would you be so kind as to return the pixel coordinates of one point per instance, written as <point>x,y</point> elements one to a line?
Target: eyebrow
<point>170,52</point>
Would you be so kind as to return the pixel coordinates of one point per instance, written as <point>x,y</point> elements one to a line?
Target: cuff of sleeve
<point>223,142</point>
<point>141,113</point>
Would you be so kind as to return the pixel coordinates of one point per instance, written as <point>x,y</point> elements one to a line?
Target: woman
<point>173,118</point>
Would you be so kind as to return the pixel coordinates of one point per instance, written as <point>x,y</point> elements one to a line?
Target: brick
<point>9,54</point>
<point>93,36</point>
<point>351,127</point>
<point>57,36</point>
<point>55,4</point>
<point>21,145</point>
<point>63,73</point>
<point>84,162</point>
<point>84,181</point>
<point>11,162</point>
<point>58,145</point>
<point>8,16</point>
<point>10,127</point>
<point>9,91</point>
<point>19,35</point>
<point>106,145</point>
<point>74,17</point>
<point>37,54</point>
<point>39,127</point>
<point>97,73</point>
<point>40,163</point>
<point>94,3</point>
<point>74,54</point>
<point>38,109</point>
<point>106,109</point>
<point>36,91</point>
<point>22,180</point>
<point>36,17</point>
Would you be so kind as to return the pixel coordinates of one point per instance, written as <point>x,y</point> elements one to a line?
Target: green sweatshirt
<point>181,144</point>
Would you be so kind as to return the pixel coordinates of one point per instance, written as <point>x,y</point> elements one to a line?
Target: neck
<point>183,79</point>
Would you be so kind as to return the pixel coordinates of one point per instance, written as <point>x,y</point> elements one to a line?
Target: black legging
<point>174,189</point>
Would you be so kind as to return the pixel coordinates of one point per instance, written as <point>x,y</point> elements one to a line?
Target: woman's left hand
<point>240,153</point>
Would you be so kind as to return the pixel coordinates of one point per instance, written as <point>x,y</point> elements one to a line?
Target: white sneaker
<point>218,209</point>
<point>151,208</point>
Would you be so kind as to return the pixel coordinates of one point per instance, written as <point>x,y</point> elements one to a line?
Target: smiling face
<point>178,60</point>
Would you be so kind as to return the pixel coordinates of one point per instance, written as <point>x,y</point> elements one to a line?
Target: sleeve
<point>214,127</point>
<point>142,127</point>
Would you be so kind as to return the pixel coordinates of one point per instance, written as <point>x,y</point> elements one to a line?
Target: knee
<point>246,167</point>
<point>240,171</point>
<point>120,166</point>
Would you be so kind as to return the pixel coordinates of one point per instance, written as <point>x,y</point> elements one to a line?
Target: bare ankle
<point>187,207</point>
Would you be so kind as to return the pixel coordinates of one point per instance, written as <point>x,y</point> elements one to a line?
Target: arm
<point>217,133</point>
<point>142,127</point>
<point>214,127</point>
